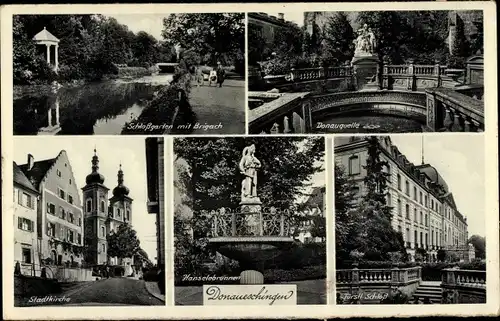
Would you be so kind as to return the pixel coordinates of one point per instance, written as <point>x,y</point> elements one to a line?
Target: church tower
<point>120,212</point>
<point>95,210</point>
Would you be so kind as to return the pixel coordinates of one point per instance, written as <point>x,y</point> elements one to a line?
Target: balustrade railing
<point>464,278</point>
<point>304,74</point>
<point>452,111</point>
<point>266,222</point>
<point>395,276</point>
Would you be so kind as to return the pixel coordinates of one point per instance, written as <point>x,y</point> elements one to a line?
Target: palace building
<point>423,207</point>
<point>104,216</point>
<point>267,26</point>
<point>59,220</point>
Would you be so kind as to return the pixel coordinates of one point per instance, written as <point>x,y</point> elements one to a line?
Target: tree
<point>345,217</point>
<point>338,39</point>
<point>123,243</point>
<point>257,49</point>
<point>218,36</point>
<point>479,243</point>
<point>376,238</point>
<point>319,227</point>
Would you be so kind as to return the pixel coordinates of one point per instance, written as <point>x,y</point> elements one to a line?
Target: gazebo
<point>46,38</point>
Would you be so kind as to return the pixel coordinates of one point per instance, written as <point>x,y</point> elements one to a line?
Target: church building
<point>104,216</point>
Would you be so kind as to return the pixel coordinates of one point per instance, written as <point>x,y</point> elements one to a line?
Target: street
<point>113,291</point>
<point>225,105</point>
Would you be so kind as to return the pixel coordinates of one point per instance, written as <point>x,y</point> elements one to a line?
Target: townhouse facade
<point>423,207</point>
<point>25,223</point>
<point>59,224</point>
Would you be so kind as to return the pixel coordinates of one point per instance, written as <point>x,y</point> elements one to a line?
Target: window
<point>421,218</point>
<point>89,205</point>
<point>51,208</point>
<point>70,181</point>
<point>353,165</point>
<point>425,201</point>
<point>61,233</point>
<point>426,239</point>
<point>400,212</point>
<point>421,239</point>
<point>407,211</point>
<point>415,214</point>
<point>103,231</point>
<point>59,173</point>
<point>103,247</point>
<point>71,217</point>
<point>71,236</point>
<point>62,213</point>
<point>79,221</point>
<point>414,193</point>
<point>415,238</point>
<point>432,238</point>
<point>399,182</point>
<point>51,229</point>
<point>26,255</point>
<point>420,197</point>
<point>426,220</point>
<point>389,203</point>
<point>432,204</point>
<point>407,188</point>
<point>62,194</point>
<point>26,200</point>
<point>103,206</point>
<point>79,238</point>
<point>25,224</point>
<point>70,199</point>
<point>118,213</point>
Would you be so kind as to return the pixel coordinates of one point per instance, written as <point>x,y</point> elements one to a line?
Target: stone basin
<point>254,252</point>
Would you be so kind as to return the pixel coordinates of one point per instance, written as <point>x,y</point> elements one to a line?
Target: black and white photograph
<point>249,221</point>
<point>88,222</point>
<point>409,227</point>
<point>112,74</point>
<point>365,72</point>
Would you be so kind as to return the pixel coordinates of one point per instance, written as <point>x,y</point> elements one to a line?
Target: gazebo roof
<point>45,36</point>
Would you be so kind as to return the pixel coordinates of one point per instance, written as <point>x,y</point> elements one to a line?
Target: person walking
<point>221,73</point>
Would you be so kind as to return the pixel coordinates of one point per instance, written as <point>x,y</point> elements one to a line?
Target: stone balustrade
<point>464,278</point>
<point>288,113</point>
<point>361,282</point>
<point>449,110</point>
<point>266,222</point>
<point>305,74</point>
<point>463,286</point>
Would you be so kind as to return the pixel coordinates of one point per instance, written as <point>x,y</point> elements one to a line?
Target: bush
<point>290,275</point>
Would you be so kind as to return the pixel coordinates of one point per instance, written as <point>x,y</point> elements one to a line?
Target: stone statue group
<point>365,43</point>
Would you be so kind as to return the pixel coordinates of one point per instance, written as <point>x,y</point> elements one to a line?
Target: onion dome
<point>120,190</point>
<point>95,176</point>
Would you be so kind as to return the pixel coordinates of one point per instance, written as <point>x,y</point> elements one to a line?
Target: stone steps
<point>431,291</point>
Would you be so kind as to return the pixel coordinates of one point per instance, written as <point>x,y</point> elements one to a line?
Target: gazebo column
<point>48,54</point>
<point>57,58</point>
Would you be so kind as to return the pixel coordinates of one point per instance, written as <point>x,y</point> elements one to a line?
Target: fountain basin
<point>254,252</point>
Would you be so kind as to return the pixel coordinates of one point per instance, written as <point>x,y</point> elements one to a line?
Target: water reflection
<point>97,108</point>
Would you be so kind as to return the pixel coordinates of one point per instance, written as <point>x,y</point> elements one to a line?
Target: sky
<point>150,23</point>
<point>111,151</point>
<point>460,161</point>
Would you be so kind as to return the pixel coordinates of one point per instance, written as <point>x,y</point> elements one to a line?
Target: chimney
<point>281,16</point>
<point>31,161</point>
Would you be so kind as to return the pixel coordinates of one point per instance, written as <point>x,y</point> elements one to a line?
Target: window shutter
<point>20,223</point>
<point>20,197</point>
<point>48,229</point>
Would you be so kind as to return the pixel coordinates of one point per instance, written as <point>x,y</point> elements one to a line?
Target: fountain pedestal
<point>365,68</point>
